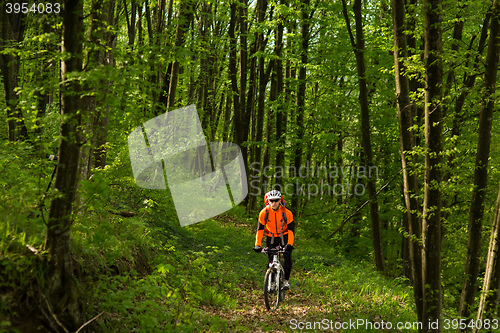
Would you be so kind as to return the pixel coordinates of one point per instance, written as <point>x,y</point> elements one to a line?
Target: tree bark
<point>406,143</point>
<point>488,303</point>
<point>481,167</point>
<point>358,46</point>
<point>431,222</point>
<point>261,98</point>
<point>242,112</point>
<point>186,14</point>
<point>96,114</point>
<point>12,28</point>
<point>280,110</point>
<point>301,94</point>
<point>62,286</point>
<point>470,79</point>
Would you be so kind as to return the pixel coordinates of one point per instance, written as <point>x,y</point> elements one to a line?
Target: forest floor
<point>140,277</point>
<point>328,293</point>
<point>251,312</point>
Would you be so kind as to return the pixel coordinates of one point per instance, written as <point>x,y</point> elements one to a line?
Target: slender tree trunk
<point>62,286</point>
<point>470,79</point>
<point>12,28</point>
<point>101,119</point>
<point>431,222</point>
<point>481,167</point>
<point>261,98</point>
<point>233,72</point>
<point>186,14</point>
<point>280,110</point>
<point>358,46</point>
<point>488,304</point>
<point>307,13</point>
<point>131,26</point>
<point>242,114</point>
<point>266,156</point>
<point>250,102</point>
<point>407,142</point>
<point>448,86</point>
<point>45,68</point>
<point>156,31</point>
<point>96,115</point>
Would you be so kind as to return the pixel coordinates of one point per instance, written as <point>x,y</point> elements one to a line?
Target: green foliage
<point>148,274</point>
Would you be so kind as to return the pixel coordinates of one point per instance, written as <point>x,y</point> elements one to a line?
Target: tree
<point>62,287</point>
<point>99,57</point>
<point>431,217</point>
<point>358,46</point>
<point>12,28</point>
<point>186,13</point>
<point>261,97</point>
<point>407,143</point>
<point>307,14</point>
<point>481,166</point>
<point>488,303</point>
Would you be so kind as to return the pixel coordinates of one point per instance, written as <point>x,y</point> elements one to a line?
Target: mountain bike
<point>274,279</point>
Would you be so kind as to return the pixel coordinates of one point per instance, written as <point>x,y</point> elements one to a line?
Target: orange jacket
<point>273,225</point>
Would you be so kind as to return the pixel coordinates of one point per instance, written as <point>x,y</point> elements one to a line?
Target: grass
<point>142,274</point>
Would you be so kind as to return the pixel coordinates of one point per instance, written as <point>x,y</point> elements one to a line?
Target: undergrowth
<point>139,271</point>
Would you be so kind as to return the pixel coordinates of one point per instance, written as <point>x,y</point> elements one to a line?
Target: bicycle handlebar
<point>274,250</point>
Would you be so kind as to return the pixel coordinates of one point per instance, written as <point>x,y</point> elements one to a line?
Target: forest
<point>376,119</point>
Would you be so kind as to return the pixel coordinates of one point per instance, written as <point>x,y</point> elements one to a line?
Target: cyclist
<point>277,222</point>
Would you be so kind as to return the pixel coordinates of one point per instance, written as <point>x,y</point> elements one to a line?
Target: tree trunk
<point>407,142</point>
<point>96,115</point>
<point>261,98</point>
<point>250,103</point>
<point>280,110</point>
<point>11,33</point>
<point>186,14</point>
<point>481,167</point>
<point>470,79</point>
<point>242,113</point>
<point>45,68</point>
<point>431,222</point>
<point>358,46</point>
<point>233,72</point>
<point>62,286</point>
<point>301,93</point>
<point>488,303</point>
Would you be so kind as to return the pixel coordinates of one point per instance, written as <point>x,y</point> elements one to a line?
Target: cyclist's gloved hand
<point>288,248</point>
<point>257,249</point>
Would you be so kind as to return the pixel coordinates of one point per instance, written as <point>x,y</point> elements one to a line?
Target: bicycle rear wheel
<point>271,295</point>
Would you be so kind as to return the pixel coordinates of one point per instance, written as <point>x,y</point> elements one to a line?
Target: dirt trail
<point>251,311</point>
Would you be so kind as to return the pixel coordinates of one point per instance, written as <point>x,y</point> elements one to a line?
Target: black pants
<point>286,255</point>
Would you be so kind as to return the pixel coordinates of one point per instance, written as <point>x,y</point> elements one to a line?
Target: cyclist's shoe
<point>286,285</point>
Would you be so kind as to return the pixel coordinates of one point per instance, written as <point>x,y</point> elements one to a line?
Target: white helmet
<point>273,194</point>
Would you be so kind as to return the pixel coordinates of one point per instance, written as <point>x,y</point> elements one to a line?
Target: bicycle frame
<point>277,272</point>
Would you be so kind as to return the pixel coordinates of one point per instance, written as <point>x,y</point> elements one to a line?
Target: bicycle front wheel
<point>271,294</point>
<point>281,284</point>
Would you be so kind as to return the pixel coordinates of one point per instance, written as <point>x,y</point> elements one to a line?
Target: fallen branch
<point>35,252</point>
<point>88,322</point>
<point>361,207</point>
<point>53,314</point>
